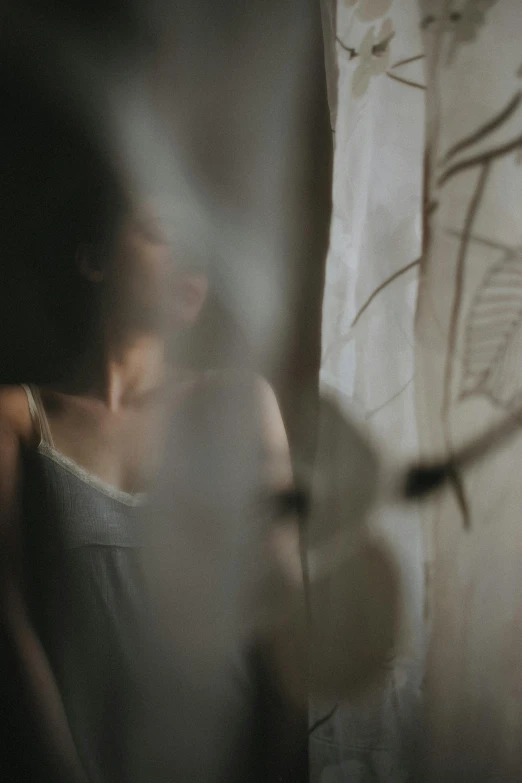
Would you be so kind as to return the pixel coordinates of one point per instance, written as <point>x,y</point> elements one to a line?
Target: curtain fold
<point>469,376</point>
<point>368,348</point>
<point>422,335</point>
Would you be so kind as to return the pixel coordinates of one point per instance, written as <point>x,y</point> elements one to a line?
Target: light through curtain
<point>469,375</point>
<point>426,348</point>
<point>375,73</point>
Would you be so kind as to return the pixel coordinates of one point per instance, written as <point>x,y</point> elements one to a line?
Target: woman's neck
<point>120,367</point>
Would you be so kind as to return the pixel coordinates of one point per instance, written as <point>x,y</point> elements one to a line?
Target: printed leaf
<point>493,344</point>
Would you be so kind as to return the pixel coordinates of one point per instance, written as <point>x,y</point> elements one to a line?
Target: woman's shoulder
<point>242,382</point>
<point>15,416</point>
<point>233,387</point>
<point>236,379</point>
<point>237,385</point>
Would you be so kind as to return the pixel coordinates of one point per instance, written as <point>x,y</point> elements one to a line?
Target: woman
<point>76,458</point>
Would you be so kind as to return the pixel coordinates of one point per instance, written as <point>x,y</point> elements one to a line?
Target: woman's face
<point>142,278</point>
<point>142,271</point>
<point>146,276</point>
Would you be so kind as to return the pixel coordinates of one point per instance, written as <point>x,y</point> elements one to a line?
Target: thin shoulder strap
<point>38,416</point>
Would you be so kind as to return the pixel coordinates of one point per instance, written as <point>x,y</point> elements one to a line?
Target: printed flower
<point>374,56</point>
<point>466,22</point>
<point>370,10</point>
<point>471,18</point>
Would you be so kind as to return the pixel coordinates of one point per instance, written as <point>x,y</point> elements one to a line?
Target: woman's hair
<point>58,191</point>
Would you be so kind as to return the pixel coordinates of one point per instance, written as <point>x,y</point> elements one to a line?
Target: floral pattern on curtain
<point>425,345</point>
<point>469,375</point>
<point>376,59</point>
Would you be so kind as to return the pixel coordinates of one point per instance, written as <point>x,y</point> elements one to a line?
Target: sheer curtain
<point>469,344</point>
<point>425,344</point>
<point>375,69</point>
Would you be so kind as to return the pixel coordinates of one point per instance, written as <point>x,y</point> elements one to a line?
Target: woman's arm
<point>278,477</point>
<point>344,656</point>
<point>281,663</point>
<point>38,689</point>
